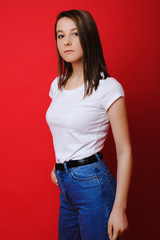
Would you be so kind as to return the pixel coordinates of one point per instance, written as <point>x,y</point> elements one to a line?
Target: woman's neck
<point>77,74</point>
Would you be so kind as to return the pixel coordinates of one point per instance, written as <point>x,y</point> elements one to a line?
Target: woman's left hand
<point>117,223</point>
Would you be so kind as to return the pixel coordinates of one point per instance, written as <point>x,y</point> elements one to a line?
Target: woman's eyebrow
<point>70,30</point>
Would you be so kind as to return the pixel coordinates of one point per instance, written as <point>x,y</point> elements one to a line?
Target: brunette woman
<point>86,100</point>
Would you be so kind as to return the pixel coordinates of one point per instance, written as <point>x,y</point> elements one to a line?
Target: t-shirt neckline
<point>74,89</point>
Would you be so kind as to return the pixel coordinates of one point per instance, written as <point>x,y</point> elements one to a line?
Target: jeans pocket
<point>111,181</point>
<point>84,173</point>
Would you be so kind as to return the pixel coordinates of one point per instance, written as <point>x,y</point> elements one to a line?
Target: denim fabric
<point>87,195</point>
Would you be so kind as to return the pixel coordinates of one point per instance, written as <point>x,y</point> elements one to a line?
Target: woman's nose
<point>67,42</point>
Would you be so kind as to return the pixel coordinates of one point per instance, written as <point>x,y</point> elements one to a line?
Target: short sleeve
<point>109,92</point>
<point>53,88</point>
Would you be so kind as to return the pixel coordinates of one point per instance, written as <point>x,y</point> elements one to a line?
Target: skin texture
<point>68,39</point>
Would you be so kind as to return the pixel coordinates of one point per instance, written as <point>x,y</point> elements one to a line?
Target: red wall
<point>130,40</point>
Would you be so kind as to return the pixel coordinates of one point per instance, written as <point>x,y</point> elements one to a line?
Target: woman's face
<point>68,42</point>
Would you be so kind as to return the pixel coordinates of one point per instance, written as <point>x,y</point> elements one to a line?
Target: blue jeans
<point>87,195</point>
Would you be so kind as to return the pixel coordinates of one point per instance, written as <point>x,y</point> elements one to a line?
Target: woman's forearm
<point>124,170</point>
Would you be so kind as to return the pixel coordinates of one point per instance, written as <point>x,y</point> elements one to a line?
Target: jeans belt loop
<point>65,167</point>
<point>98,158</point>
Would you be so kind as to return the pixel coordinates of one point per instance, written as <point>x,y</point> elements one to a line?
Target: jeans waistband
<point>75,163</point>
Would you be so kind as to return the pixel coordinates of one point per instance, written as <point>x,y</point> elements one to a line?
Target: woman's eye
<point>75,34</point>
<point>60,36</point>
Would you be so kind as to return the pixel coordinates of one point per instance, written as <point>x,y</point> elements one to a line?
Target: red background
<point>130,40</point>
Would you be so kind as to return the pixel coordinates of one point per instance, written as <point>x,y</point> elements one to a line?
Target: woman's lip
<point>67,51</point>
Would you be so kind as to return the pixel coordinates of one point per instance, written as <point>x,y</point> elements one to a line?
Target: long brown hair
<point>94,66</point>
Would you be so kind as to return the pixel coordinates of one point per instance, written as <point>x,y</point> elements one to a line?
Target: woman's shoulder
<point>109,82</point>
<point>54,81</point>
<point>53,87</point>
<point>110,85</point>
<point>109,90</point>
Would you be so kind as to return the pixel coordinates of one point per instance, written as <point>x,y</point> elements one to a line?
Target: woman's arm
<point>118,119</point>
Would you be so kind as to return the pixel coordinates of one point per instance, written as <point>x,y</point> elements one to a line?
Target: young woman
<point>85,101</point>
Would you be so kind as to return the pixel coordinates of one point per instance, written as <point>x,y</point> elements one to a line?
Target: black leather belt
<point>80,162</point>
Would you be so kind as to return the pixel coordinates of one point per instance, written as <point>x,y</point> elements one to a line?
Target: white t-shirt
<point>79,126</point>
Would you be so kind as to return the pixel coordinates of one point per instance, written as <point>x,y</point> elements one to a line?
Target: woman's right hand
<point>53,177</point>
